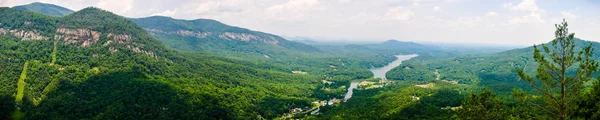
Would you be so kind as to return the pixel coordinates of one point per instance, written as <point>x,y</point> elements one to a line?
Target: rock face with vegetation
<point>210,36</point>
<point>95,64</point>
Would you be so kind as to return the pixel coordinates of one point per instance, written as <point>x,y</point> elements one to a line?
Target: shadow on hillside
<point>121,95</point>
<point>7,106</point>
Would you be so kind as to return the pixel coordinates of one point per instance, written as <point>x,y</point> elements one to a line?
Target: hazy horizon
<point>507,22</point>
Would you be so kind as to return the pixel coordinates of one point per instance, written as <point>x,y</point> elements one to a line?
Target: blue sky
<point>504,22</point>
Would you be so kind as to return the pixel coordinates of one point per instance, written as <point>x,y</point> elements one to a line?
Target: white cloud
<point>399,13</point>
<point>345,1</point>
<point>492,14</point>
<point>293,9</point>
<point>568,15</point>
<point>531,18</point>
<point>165,13</point>
<point>530,6</point>
<point>436,8</point>
<point>525,5</point>
<point>117,6</point>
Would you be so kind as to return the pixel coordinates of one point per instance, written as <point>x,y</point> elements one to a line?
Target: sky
<point>497,22</point>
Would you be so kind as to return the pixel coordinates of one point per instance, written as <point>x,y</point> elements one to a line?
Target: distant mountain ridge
<point>205,35</point>
<point>89,27</point>
<point>202,35</point>
<point>484,69</point>
<point>47,9</point>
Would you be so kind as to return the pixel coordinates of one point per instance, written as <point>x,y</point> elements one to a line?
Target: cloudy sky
<point>505,22</point>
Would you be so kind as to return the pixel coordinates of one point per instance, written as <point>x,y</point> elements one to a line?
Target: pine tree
<point>554,87</point>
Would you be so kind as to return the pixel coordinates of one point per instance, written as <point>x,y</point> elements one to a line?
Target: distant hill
<point>401,47</point>
<point>210,36</point>
<point>495,71</point>
<point>47,9</point>
<point>297,38</point>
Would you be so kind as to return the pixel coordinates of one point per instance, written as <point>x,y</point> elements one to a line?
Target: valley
<point>95,63</point>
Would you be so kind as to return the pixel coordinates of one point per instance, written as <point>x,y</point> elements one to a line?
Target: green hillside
<point>496,71</point>
<point>210,36</point>
<point>47,9</point>
<point>97,65</point>
<point>431,87</point>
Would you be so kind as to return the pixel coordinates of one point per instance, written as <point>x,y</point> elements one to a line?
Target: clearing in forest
<point>21,84</point>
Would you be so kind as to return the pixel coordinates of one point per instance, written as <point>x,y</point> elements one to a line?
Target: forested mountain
<point>97,65</point>
<point>493,71</point>
<point>47,9</point>
<point>432,87</point>
<point>210,36</point>
<point>93,64</point>
<point>213,37</point>
<point>486,70</point>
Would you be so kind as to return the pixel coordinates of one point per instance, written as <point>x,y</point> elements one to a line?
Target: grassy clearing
<point>21,84</point>
<point>54,53</point>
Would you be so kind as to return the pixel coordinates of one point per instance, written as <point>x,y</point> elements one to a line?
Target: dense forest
<point>505,85</point>
<point>135,77</point>
<point>93,64</point>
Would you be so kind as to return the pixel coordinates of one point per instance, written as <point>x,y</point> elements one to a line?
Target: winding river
<point>380,72</point>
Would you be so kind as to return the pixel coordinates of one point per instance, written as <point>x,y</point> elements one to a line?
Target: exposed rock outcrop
<point>191,33</point>
<point>238,36</point>
<point>74,36</point>
<point>226,35</point>
<point>182,33</point>
<point>23,35</point>
<point>87,37</point>
<point>248,37</point>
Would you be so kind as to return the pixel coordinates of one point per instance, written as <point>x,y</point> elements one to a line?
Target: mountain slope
<point>495,71</point>
<point>210,36</point>
<point>94,64</point>
<point>47,9</point>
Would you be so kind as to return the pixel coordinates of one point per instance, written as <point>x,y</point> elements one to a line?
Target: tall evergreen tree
<point>557,89</point>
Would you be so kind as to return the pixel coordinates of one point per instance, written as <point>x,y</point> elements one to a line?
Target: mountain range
<point>56,63</point>
<point>210,36</point>
<point>95,64</point>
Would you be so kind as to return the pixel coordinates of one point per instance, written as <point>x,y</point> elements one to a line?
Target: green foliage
<point>172,32</point>
<point>555,87</point>
<point>412,71</point>
<point>21,84</point>
<point>397,102</point>
<point>46,9</point>
<point>94,83</point>
<point>484,105</point>
<point>251,79</point>
<point>13,18</point>
<point>589,107</point>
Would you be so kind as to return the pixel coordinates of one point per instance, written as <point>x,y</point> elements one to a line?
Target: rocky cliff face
<point>181,33</point>
<point>82,38</point>
<point>23,35</point>
<point>225,35</point>
<point>85,38</point>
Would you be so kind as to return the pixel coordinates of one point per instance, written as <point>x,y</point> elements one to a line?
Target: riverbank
<point>379,80</point>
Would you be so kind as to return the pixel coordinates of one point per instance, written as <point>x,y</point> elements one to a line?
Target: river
<point>380,72</point>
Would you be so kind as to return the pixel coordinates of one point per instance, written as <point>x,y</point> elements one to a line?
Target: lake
<point>380,72</point>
